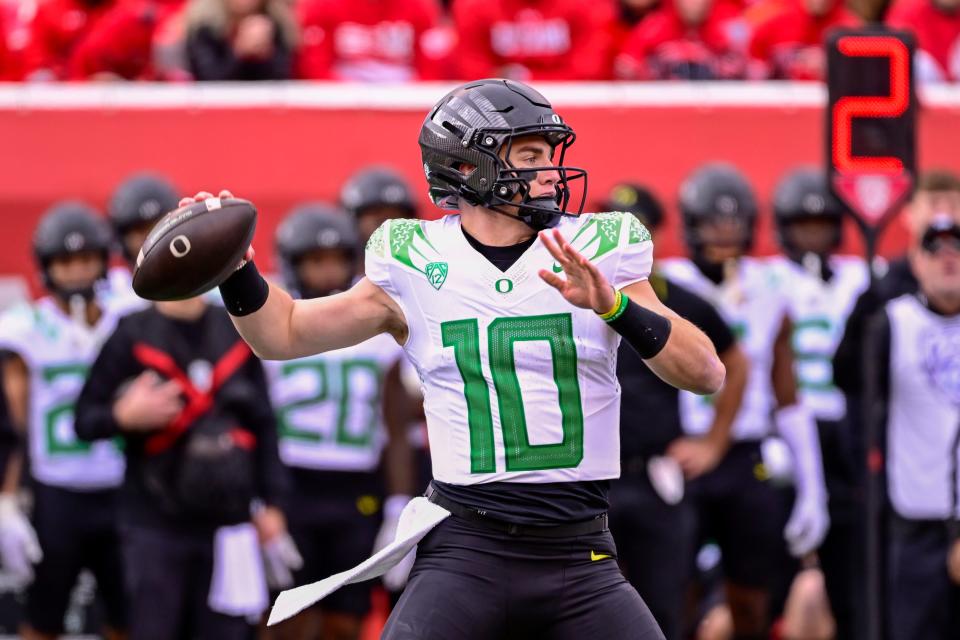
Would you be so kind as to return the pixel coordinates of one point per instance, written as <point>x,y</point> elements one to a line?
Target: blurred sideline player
<point>823,288</point>
<point>332,411</point>
<point>526,550</point>
<point>374,195</point>
<point>652,520</point>
<point>737,503</point>
<point>135,207</point>
<point>74,483</point>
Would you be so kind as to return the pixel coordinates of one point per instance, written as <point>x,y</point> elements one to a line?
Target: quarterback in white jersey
<point>517,364</point>
<point>719,213</point>
<point>53,343</point>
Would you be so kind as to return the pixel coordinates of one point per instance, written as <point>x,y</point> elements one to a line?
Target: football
<point>194,248</point>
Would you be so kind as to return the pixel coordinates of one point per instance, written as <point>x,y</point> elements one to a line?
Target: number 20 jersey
<point>518,384</point>
<point>329,406</point>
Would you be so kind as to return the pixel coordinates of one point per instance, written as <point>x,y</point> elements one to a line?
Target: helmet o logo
<point>74,241</point>
<point>328,238</point>
<point>180,246</point>
<point>814,204</point>
<point>727,205</point>
<point>557,119</point>
<point>503,285</point>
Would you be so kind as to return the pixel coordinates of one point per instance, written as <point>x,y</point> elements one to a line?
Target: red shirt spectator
<point>16,24</point>
<point>787,42</point>
<point>121,44</point>
<point>685,39</point>
<point>534,39</point>
<point>370,40</point>
<point>57,28</point>
<point>937,28</point>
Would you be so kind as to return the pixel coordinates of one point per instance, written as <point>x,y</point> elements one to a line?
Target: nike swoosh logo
<point>594,556</point>
<point>556,268</point>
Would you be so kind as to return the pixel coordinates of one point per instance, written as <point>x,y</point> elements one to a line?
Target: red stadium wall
<point>278,145</point>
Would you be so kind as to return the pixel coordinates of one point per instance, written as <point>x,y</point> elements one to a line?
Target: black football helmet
<point>636,199</point>
<point>475,125</point>
<point>715,191</point>
<point>67,228</point>
<point>377,186</point>
<point>142,198</point>
<point>312,226</point>
<point>803,194</point>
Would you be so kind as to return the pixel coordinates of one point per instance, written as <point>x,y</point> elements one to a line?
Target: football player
<point>652,518</point>
<point>737,503</point>
<point>823,288</point>
<point>374,195</point>
<point>334,411</point>
<point>511,309</point>
<point>74,484</point>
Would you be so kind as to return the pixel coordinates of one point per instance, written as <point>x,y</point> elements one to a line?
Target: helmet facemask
<point>540,212</point>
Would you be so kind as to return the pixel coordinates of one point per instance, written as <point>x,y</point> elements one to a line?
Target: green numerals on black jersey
<point>502,334</point>
<point>344,372</point>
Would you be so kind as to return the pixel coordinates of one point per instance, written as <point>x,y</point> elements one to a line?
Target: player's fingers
<point>567,248</point>
<point>552,279</point>
<point>185,201</point>
<point>248,256</point>
<point>225,193</point>
<point>554,249</point>
<point>202,195</point>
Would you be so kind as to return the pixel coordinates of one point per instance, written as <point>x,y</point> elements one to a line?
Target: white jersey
<point>923,410</point>
<point>754,307</point>
<point>58,353</point>
<point>518,384</point>
<point>818,311</point>
<point>329,406</point>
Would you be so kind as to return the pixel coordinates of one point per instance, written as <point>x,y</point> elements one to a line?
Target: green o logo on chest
<point>503,285</point>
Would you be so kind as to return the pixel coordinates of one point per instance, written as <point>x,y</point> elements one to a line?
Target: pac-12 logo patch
<point>437,273</point>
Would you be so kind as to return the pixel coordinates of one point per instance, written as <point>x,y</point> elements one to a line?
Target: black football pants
<point>473,583</point>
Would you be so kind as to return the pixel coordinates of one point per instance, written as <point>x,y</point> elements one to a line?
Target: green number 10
<point>521,455</point>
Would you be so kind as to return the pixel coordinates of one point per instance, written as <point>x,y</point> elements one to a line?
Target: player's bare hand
<point>696,456</point>
<point>148,404</point>
<point>953,562</point>
<point>584,285</point>
<point>200,196</point>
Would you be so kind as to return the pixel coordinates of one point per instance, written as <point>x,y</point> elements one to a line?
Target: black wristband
<point>245,291</point>
<point>646,331</point>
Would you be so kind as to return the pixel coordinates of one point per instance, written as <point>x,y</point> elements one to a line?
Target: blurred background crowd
<point>401,40</point>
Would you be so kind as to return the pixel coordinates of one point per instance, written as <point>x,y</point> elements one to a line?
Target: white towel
<point>417,519</point>
<point>238,586</point>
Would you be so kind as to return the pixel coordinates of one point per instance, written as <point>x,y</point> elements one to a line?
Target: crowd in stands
<point>403,40</point>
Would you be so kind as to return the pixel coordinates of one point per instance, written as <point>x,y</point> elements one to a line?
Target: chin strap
<point>537,213</point>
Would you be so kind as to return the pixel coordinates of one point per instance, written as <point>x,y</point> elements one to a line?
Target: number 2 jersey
<point>329,406</point>
<point>519,385</point>
<point>58,352</point>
